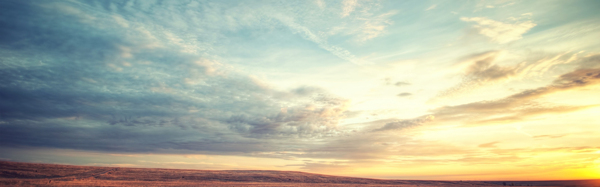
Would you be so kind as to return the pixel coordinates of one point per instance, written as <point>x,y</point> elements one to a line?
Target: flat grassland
<point>32,174</point>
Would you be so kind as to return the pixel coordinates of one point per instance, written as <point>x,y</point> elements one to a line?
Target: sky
<point>427,89</point>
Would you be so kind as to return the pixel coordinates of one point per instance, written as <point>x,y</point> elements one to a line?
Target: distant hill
<point>28,174</point>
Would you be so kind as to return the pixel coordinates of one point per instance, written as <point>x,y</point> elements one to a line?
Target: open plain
<point>33,174</point>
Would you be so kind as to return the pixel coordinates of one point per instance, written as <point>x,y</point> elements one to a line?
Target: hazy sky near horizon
<point>461,90</point>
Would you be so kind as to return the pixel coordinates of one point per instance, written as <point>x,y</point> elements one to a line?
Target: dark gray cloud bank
<point>81,76</point>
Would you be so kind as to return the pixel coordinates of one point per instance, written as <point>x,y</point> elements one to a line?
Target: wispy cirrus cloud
<point>500,32</point>
<point>431,7</point>
<point>322,42</point>
<point>375,26</point>
<point>481,69</point>
<point>488,145</point>
<point>521,105</point>
<point>401,124</point>
<point>348,7</point>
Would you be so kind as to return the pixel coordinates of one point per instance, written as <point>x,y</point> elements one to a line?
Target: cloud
<point>486,159</point>
<point>309,35</point>
<point>404,94</point>
<point>308,121</point>
<point>320,3</point>
<point>521,105</point>
<point>480,69</point>
<point>373,27</point>
<point>388,81</point>
<point>550,136</point>
<point>500,32</point>
<point>366,23</point>
<point>402,124</point>
<point>488,145</point>
<point>577,149</point>
<point>348,7</point>
<point>492,4</point>
<point>171,92</point>
<point>375,146</point>
<point>590,61</point>
<point>580,78</point>
<point>400,83</point>
<point>431,7</point>
<point>522,114</point>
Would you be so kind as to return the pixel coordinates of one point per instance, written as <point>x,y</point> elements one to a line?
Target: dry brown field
<point>33,174</point>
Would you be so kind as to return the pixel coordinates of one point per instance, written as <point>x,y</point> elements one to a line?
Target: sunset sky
<point>424,89</point>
